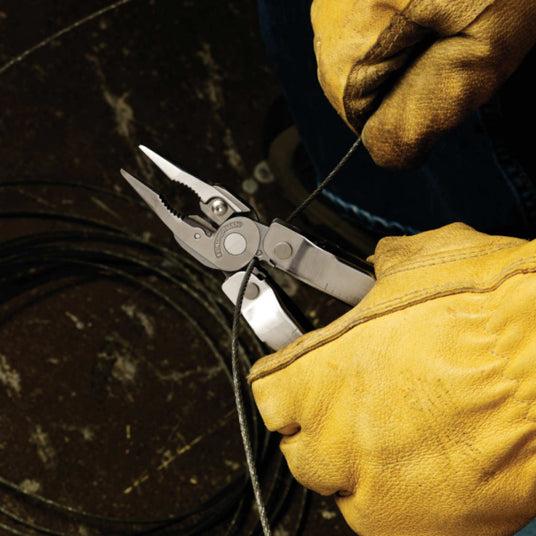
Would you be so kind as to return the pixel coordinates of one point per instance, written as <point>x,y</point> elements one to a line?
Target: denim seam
<point>371,221</point>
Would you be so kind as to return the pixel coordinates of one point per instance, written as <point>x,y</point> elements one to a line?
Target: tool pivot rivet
<point>252,291</point>
<point>283,250</point>
<point>235,244</point>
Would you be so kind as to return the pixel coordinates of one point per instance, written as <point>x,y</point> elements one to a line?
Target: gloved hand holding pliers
<point>417,407</point>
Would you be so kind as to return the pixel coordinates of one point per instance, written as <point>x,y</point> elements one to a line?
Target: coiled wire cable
<point>91,249</point>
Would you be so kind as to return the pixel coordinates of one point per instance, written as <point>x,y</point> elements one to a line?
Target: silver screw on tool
<point>219,207</point>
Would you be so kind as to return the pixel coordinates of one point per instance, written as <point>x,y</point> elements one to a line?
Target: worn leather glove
<point>417,407</point>
<point>405,71</point>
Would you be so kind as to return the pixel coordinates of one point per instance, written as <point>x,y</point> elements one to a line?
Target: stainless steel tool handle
<point>263,311</point>
<point>290,251</point>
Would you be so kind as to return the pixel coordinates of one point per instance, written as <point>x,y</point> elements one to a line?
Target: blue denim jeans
<point>470,176</point>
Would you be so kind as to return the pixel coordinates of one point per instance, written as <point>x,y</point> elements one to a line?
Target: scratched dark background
<point>110,402</point>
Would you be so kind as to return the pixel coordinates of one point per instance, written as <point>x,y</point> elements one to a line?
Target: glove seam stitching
<point>354,88</point>
<point>378,51</point>
<point>393,305</point>
<point>446,258</point>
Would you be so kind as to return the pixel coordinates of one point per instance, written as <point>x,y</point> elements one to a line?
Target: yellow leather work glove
<point>406,71</point>
<point>417,407</point>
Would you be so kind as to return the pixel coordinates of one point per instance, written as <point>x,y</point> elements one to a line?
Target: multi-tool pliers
<point>228,236</point>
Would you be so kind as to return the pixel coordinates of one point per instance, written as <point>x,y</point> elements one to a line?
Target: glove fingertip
<point>390,150</point>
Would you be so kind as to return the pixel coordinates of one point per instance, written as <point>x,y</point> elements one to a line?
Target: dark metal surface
<point>110,401</point>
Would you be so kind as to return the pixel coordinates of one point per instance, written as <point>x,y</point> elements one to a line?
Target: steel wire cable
<point>237,378</point>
